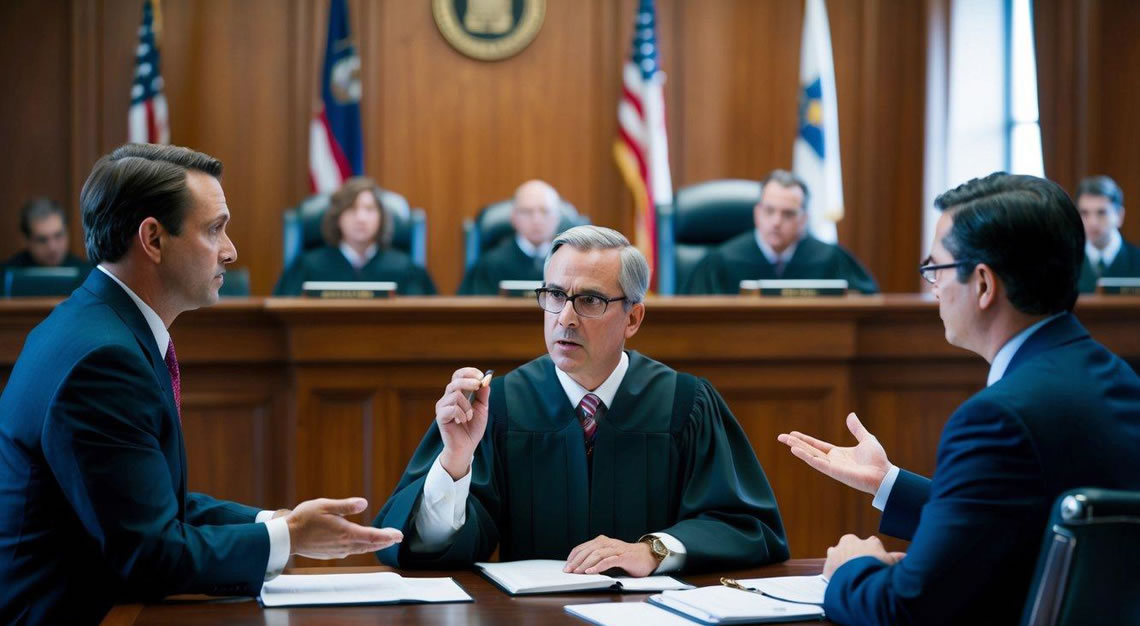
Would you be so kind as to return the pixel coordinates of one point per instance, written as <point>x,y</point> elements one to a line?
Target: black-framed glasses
<point>929,273</point>
<point>585,304</point>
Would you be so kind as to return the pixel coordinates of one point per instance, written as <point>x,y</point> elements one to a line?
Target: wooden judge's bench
<point>288,399</point>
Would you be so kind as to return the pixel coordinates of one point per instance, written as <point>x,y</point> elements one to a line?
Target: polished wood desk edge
<point>127,614</point>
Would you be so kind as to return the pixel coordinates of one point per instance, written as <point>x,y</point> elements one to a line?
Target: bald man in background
<point>534,216</point>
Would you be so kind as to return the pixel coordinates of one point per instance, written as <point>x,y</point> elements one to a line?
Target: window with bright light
<point>1024,123</point>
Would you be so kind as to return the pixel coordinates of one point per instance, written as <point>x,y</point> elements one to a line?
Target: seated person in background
<point>1101,203</point>
<point>534,215</point>
<point>779,248</point>
<point>358,233</point>
<point>591,453</point>
<point>44,225</point>
<point>1059,412</point>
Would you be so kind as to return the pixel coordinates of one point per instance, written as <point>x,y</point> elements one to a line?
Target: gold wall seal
<point>489,30</point>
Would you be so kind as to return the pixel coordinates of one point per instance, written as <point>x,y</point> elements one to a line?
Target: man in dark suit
<point>1059,411</point>
<point>44,225</point>
<point>1107,255</point>
<point>94,508</point>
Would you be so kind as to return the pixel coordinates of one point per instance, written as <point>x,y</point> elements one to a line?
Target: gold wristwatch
<point>656,547</point>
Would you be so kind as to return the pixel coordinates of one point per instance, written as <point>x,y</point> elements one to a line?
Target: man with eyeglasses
<point>1059,412</point>
<point>1107,255</point>
<point>590,454</point>
<point>779,248</point>
<point>44,225</point>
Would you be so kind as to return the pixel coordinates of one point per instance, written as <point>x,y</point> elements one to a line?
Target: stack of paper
<point>805,589</point>
<point>626,613</point>
<point>546,576</point>
<point>373,588</point>
<point>725,605</point>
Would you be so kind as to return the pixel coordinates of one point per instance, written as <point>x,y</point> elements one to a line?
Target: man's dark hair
<point>1027,230</point>
<point>1102,186</point>
<point>135,182</point>
<point>784,178</point>
<point>37,209</point>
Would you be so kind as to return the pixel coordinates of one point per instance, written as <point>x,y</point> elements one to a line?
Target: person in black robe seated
<point>534,216</point>
<point>779,248</point>
<point>358,233</point>
<point>591,453</point>
<point>1107,255</point>
<point>44,225</point>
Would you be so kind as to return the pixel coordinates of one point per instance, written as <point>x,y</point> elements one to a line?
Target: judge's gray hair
<point>634,277</point>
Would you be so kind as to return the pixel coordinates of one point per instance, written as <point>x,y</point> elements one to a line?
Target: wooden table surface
<point>491,605</point>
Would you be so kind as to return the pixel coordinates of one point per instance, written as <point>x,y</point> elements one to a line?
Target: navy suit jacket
<point>93,502</point>
<point>1065,414</point>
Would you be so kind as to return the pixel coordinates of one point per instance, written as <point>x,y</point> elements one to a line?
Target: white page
<point>808,589</point>
<point>724,604</point>
<point>626,613</point>
<point>368,588</point>
<point>539,575</point>
<point>650,583</point>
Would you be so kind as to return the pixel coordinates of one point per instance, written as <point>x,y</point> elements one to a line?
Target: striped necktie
<point>587,411</point>
<point>175,377</point>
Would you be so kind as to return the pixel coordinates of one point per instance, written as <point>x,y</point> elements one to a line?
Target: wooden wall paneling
<point>226,445</point>
<point>35,112</point>
<point>1061,38</point>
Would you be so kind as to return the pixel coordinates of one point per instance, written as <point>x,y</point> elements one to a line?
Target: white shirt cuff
<point>676,559</point>
<point>884,492</point>
<point>442,511</point>
<point>264,516</point>
<point>279,544</point>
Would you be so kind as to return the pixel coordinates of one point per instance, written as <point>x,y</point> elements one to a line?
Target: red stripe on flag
<point>151,122</point>
<point>633,100</point>
<point>642,166</point>
<point>337,150</point>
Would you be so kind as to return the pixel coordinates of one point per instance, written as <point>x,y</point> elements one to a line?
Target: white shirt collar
<point>531,250</point>
<point>1006,353</point>
<point>354,258</point>
<point>1109,253</point>
<point>161,335</point>
<point>770,254</point>
<point>605,391</point>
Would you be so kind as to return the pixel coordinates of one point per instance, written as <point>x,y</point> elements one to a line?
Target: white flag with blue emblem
<point>816,150</point>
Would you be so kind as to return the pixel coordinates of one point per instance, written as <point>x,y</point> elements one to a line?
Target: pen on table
<point>733,583</point>
<point>482,383</point>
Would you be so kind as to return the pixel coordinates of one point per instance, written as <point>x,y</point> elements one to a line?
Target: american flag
<point>642,148</point>
<point>146,119</point>
<point>336,142</point>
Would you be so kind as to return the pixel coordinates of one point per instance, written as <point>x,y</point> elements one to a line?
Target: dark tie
<point>779,268</point>
<point>175,378</point>
<point>587,411</point>
<point>1101,266</point>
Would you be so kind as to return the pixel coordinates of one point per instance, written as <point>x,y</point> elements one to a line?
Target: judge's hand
<point>317,529</point>
<point>461,423</point>
<point>863,466</point>
<point>850,547</point>
<point>602,553</point>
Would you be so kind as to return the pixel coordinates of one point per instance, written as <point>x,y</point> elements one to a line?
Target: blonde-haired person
<point>358,237</point>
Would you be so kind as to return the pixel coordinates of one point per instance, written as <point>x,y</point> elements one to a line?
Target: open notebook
<point>725,605</point>
<point>546,576</point>
<point>370,588</point>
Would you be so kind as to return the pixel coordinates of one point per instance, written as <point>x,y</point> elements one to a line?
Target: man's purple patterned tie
<point>175,378</point>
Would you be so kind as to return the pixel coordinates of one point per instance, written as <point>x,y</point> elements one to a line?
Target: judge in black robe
<point>740,258</point>
<point>668,458</point>
<point>358,234</point>
<point>506,261</point>
<point>330,263</point>
<point>44,226</point>
<point>1100,202</point>
<point>535,215</point>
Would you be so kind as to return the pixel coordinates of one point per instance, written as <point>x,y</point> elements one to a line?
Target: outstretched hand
<point>862,466</point>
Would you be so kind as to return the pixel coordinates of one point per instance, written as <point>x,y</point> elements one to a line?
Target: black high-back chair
<point>1086,573</point>
<point>493,222</point>
<point>702,217</point>
<point>303,226</point>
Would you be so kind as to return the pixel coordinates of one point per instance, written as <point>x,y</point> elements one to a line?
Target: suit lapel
<point>104,288</point>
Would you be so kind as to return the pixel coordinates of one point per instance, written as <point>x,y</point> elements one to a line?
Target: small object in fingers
<point>482,383</point>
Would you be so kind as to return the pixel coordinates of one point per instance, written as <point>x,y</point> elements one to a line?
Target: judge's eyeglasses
<point>585,304</point>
